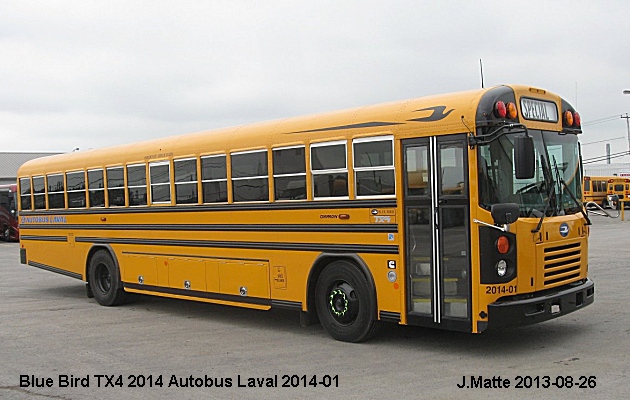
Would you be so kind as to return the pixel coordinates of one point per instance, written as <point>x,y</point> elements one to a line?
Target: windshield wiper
<point>575,200</point>
<point>550,188</point>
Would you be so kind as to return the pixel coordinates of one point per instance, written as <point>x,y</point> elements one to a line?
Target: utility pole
<point>627,118</point>
<point>627,122</point>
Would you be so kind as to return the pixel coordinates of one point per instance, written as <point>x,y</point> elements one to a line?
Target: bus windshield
<point>556,186</point>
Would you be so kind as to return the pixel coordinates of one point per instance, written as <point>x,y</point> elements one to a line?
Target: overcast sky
<point>93,74</point>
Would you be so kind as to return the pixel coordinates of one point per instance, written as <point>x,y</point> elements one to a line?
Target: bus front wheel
<point>346,306</point>
<point>104,280</point>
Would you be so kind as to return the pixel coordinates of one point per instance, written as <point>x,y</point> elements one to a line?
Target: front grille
<point>562,264</point>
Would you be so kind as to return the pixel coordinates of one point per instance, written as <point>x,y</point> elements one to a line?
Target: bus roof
<point>439,114</point>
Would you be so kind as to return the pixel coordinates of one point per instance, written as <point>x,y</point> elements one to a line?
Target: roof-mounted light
<point>511,110</point>
<point>500,109</point>
<point>571,119</point>
<point>568,118</point>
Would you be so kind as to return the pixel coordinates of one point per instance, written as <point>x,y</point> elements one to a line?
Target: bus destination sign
<point>539,110</point>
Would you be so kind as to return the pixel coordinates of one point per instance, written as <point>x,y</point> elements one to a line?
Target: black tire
<point>104,280</point>
<point>346,306</point>
<point>6,233</point>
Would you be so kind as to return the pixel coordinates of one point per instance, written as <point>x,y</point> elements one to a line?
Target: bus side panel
<point>141,269</point>
<point>55,254</point>
<point>244,278</point>
<point>187,273</point>
<point>388,292</point>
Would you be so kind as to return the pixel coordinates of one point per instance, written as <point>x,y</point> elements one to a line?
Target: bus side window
<point>289,173</point>
<point>250,179</point>
<point>96,188</point>
<point>186,181</point>
<point>116,186</point>
<point>160,175</point>
<point>25,193</point>
<point>55,191</point>
<point>39,193</point>
<point>214,179</point>
<point>374,166</point>
<point>330,170</point>
<point>76,189</point>
<point>137,184</point>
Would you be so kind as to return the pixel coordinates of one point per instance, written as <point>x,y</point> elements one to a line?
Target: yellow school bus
<point>619,186</point>
<point>457,211</point>
<point>596,189</point>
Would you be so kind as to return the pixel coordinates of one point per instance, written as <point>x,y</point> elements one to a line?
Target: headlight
<point>501,268</point>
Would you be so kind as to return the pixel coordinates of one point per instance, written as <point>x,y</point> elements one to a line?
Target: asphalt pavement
<point>55,343</point>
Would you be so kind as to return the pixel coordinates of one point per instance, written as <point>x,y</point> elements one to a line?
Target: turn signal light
<point>503,244</point>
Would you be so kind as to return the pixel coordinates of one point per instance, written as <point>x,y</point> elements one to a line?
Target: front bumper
<point>543,307</point>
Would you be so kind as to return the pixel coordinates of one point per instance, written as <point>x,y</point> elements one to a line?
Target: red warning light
<point>499,109</point>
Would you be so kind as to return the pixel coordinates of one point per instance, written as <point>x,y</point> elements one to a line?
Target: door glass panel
<point>419,238</point>
<point>419,229</point>
<point>455,273</point>
<point>452,169</point>
<point>417,159</point>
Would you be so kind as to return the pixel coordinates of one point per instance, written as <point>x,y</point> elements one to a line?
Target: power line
<point>621,153</point>
<point>606,157</point>
<point>601,120</point>
<point>603,140</point>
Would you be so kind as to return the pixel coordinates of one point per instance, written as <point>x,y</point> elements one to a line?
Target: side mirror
<point>504,213</point>
<point>524,157</point>
<point>613,201</point>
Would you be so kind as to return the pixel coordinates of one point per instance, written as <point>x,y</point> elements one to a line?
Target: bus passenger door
<point>436,205</point>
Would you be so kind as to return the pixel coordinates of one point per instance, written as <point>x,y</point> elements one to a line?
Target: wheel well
<point>95,249</point>
<point>324,260</point>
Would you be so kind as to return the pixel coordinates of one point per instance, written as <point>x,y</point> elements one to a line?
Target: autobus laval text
<point>9,226</point>
<point>459,211</point>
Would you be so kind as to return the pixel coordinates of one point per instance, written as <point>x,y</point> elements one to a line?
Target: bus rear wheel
<point>104,280</point>
<point>346,306</point>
